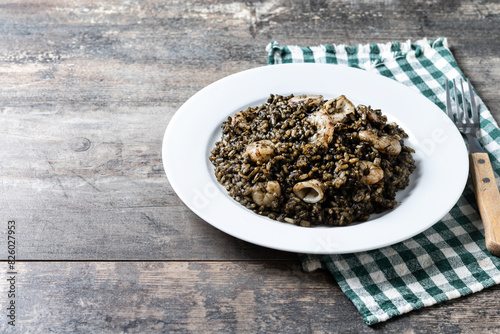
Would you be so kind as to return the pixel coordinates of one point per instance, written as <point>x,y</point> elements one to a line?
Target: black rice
<point>338,164</point>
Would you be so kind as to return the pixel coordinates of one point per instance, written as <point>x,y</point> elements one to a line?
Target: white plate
<point>435,186</point>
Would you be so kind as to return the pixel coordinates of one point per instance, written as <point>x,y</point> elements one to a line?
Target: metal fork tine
<point>475,114</point>
<point>459,115</point>
<point>464,104</point>
<point>449,110</point>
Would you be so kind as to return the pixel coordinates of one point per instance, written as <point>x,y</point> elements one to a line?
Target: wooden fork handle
<point>488,199</point>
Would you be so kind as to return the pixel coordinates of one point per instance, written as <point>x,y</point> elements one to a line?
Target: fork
<point>485,187</point>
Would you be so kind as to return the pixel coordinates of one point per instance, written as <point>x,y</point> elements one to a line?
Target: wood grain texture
<point>88,180</point>
<point>87,89</point>
<point>208,297</point>
<point>488,199</point>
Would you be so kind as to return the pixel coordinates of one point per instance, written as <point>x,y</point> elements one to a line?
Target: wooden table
<point>103,244</point>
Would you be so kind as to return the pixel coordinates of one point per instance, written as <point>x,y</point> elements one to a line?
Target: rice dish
<point>310,161</point>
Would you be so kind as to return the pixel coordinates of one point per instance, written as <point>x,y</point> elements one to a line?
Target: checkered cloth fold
<point>449,259</point>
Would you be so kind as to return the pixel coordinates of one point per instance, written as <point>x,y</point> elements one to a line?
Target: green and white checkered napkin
<point>449,259</point>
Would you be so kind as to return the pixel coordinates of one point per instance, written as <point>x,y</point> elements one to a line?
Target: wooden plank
<point>223,297</point>
<point>145,51</point>
<point>101,159</point>
<point>87,182</point>
<point>144,234</point>
<point>88,88</point>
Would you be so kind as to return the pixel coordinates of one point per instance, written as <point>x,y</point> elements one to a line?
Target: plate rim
<point>265,242</point>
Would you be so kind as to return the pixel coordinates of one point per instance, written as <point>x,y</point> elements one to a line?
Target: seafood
<point>310,191</point>
<point>386,144</point>
<point>260,151</point>
<point>309,161</point>
<point>338,108</point>
<point>371,172</point>
<point>307,100</point>
<point>324,127</point>
<point>266,193</point>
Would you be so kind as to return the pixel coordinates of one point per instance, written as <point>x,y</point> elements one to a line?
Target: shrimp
<point>338,108</point>
<point>260,151</point>
<point>371,172</point>
<point>308,100</point>
<point>266,193</point>
<point>238,118</point>
<point>375,118</point>
<point>241,120</point>
<point>324,127</point>
<point>385,144</point>
<point>310,191</point>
